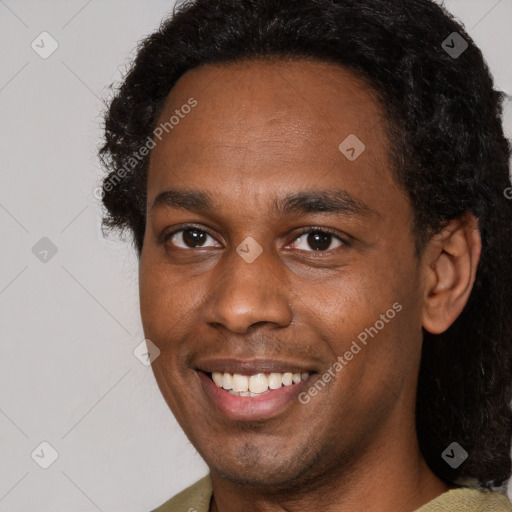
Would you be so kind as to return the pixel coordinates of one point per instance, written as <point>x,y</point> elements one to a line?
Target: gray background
<point>69,324</point>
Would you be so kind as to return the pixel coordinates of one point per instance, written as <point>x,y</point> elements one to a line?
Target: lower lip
<point>251,408</point>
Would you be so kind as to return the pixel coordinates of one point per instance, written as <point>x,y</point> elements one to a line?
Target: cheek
<point>347,304</point>
<point>162,302</point>
<point>170,305</point>
<point>160,289</point>
<point>369,319</point>
<point>152,296</point>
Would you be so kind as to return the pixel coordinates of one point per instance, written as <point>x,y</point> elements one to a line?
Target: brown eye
<point>190,238</point>
<point>317,241</point>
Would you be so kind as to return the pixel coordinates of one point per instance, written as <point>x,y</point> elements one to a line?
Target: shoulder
<point>468,500</point>
<point>195,498</point>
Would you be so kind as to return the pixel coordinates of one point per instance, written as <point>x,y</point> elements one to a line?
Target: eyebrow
<point>331,201</point>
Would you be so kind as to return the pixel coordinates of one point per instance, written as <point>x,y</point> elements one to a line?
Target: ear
<point>449,262</point>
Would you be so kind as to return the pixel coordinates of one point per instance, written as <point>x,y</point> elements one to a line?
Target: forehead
<point>263,125</point>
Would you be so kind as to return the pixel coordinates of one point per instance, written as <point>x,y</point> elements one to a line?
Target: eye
<point>317,240</point>
<point>190,238</point>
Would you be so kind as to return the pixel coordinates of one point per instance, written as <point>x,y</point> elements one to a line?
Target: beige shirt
<point>197,499</point>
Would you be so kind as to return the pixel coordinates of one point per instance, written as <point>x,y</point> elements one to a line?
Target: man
<point>316,192</point>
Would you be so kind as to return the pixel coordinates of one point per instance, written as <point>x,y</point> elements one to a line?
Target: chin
<point>276,472</point>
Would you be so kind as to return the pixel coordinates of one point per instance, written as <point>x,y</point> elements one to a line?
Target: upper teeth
<point>251,385</point>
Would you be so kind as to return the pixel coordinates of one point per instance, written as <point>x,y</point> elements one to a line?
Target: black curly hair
<point>449,154</point>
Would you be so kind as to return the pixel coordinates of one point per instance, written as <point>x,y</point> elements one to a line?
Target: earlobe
<point>450,261</point>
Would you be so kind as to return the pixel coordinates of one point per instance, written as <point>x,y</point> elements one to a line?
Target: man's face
<point>311,279</point>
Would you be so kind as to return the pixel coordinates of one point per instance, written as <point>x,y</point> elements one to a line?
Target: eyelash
<point>297,235</point>
<point>326,231</point>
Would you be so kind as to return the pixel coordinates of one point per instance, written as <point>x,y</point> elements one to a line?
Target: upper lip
<point>252,366</point>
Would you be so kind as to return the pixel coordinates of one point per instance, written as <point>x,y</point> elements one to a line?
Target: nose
<point>247,293</point>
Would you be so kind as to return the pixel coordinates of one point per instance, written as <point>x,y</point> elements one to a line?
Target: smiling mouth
<point>255,385</point>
